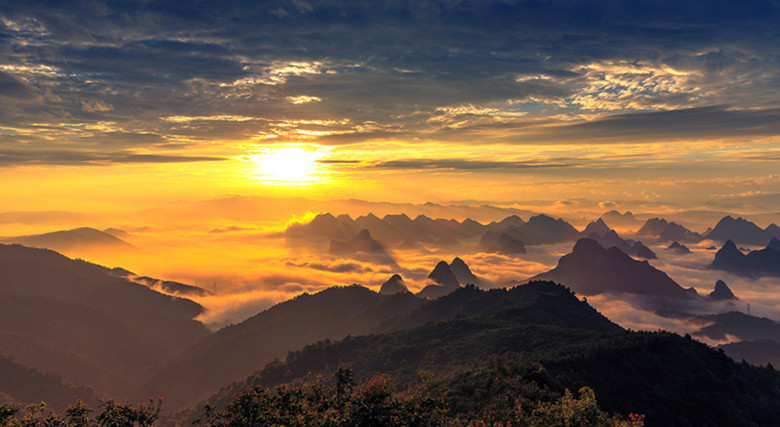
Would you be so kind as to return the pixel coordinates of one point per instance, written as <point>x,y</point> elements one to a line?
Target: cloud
<point>19,157</point>
<point>467,165</point>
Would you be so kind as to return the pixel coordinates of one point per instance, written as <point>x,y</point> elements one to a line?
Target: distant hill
<point>169,287</point>
<point>742,231</point>
<point>722,292</point>
<point>234,352</point>
<point>67,240</point>
<point>758,263</point>
<point>608,238</point>
<point>23,385</point>
<point>394,285</point>
<point>678,248</point>
<point>84,323</point>
<point>400,231</point>
<point>668,231</point>
<point>758,352</point>
<point>614,218</point>
<point>723,326</point>
<point>590,270</point>
<point>563,342</point>
<point>504,244</point>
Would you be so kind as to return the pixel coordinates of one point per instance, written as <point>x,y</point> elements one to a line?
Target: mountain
<point>728,326</point>
<point>758,263</point>
<point>590,270</point>
<point>442,274</point>
<point>722,292</point>
<point>502,244</point>
<point>443,281</point>
<point>85,324</point>
<point>23,385</point>
<point>774,244</point>
<point>616,219</point>
<point>678,248</point>
<point>742,231</point>
<point>235,351</point>
<point>598,227</point>
<point>631,247</point>
<point>83,238</point>
<point>463,273</point>
<point>535,339</point>
<point>668,231</point>
<point>361,243</point>
<point>510,221</point>
<point>543,229</point>
<point>394,285</point>
<point>169,287</point>
<point>758,352</point>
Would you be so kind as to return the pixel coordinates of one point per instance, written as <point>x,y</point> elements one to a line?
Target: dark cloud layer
<point>480,71</point>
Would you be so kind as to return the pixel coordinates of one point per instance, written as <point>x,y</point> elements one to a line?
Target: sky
<point>108,105</point>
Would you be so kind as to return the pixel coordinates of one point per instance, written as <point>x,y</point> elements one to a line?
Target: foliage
<point>375,403</point>
<point>111,414</point>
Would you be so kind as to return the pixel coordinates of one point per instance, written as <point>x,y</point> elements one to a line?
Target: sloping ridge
<point>236,351</point>
<point>78,320</point>
<point>590,269</point>
<point>65,240</point>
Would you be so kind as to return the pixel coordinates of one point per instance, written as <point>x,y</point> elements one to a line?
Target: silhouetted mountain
<point>169,287</point>
<point>504,244</point>
<point>722,292</point>
<point>616,219</point>
<point>83,238</point>
<point>463,273</point>
<point>510,221</point>
<point>742,231</point>
<point>758,352</point>
<point>774,244</point>
<point>725,326</point>
<point>443,281</point>
<point>82,322</point>
<point>361,243</point>
<point>23,385</point>
<point>631,247</point>
<point>542,229</point>
<point>234,352</point>
<point>599,227</point>
<point>679,377</point>
<point>678,248</point>
<point>762,262</point>
<point>590,269</point>
<point>668,231</point>
<point>394,285</point>
<point>120,234</point>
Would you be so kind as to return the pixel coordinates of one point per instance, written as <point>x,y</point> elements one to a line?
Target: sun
<point>287,165</point>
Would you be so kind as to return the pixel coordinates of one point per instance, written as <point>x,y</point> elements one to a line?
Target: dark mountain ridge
<point>84,323</point>
<point>590,270</point>
<point>742,231</point>
<point>757,263</point>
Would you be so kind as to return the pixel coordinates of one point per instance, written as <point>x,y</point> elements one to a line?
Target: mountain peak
<point>443,275</point>
<point>774,244</point>
<point>394,285</point>
<point>463,272</point>
<point>722,292</point>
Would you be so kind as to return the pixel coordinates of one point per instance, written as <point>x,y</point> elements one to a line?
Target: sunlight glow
<point>287,165</point>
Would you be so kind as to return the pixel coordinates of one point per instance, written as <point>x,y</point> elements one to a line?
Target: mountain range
<point>83,238</point>
<point>757,263</point>
<point>742,231</point>
<point>662,229</point>
<point>545,339</point>
<point>400,231</point>
<point>590,269</point>
<point>85,323</point>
